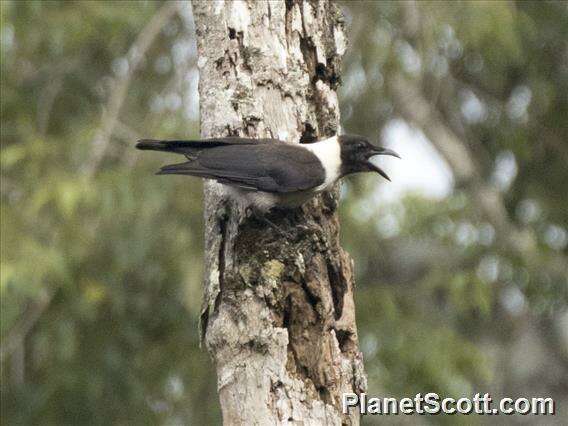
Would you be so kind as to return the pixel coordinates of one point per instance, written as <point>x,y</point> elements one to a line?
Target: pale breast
<point>264,201</point>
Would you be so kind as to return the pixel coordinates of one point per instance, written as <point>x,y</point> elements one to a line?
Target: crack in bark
<point>222,224</point>
<point>338,288</point>
<point>300,324</point>
<point>309,133</point>
<point>312,298</point>
<point>345,340</point>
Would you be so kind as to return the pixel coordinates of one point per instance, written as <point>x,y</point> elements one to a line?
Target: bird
<point>263,174</point>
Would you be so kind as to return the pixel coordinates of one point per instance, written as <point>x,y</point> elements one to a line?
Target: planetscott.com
<point>432,403</point>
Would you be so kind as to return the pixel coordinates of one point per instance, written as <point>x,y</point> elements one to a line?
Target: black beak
<point>380,151</point>
<point>378,170</point>
<point>383,151</point>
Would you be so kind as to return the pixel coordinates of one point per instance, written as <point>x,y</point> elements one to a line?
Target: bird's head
<point>356,152</point>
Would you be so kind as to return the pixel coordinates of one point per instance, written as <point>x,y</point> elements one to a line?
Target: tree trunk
<point>278,315</point>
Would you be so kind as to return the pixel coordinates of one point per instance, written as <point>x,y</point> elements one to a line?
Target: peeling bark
<point>278,315</point>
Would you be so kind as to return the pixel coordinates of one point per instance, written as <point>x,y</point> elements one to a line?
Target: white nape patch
<point>329,153</point>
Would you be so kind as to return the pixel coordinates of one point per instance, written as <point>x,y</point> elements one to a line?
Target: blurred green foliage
<point>442,304</point>
<point>101,261</point>
<point>117,253</point>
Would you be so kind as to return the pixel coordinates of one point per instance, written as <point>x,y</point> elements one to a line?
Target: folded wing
<point>269,167</point>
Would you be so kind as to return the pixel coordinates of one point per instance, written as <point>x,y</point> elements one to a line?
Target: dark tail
<point>167,146</point>
<point>151,144</point>
<point>193,146</point>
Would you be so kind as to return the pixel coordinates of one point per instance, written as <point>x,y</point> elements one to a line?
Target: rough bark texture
<point>278,315</point>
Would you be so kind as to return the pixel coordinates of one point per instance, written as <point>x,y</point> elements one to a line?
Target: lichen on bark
<point>278,315</point>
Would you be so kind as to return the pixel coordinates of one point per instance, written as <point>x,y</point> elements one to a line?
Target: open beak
<point>384,151</point>
<point>378,170</point>
<point>381,151</point>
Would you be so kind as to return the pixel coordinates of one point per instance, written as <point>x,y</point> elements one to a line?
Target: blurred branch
<point>49,70</point>
<point>448,137</point>
<point>415,108</point>
<point>411,24</point>
<point>46,102</point>
<point>129,135</point>
<point>556,340</point>
<point>126,132</point>
<point>120,86</point>
<point>110,121</point>
<point>16,335</point>
<point>18,364</point>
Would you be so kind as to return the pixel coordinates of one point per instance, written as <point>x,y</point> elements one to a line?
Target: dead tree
<point>278,316</point>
